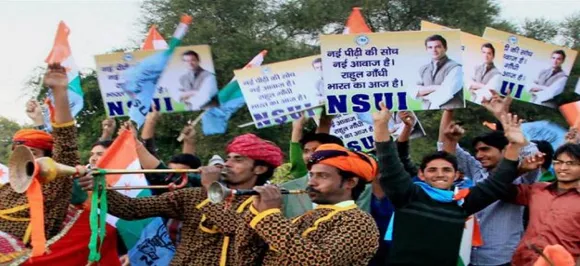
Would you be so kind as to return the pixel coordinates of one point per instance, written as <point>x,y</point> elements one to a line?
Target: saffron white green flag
<point>61,53</point>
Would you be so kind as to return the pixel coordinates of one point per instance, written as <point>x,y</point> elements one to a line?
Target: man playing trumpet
<point>336,232</point>
<point>15,208</point>
<point>208,231</point>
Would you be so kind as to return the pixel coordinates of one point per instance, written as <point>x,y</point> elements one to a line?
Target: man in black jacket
<point>429,218</point>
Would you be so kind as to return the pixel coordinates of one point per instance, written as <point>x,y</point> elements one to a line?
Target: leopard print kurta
<point>327,235</point>
<point>57,194</point>
<point>206,226</point>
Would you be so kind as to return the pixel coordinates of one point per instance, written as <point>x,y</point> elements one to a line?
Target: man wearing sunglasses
<point>554,208</point>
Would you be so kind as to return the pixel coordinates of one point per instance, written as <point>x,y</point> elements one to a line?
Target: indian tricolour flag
<point>154,40</point>
<point>61,53</point>
<point>123,155</point>
<point>471,238</point>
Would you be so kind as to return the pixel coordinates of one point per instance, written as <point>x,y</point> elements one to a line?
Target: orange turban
<point>360,164</point>
<point>558,254</point>
<point>33,138</point>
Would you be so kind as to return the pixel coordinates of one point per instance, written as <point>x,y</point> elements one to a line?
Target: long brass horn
<point>23,167</point>
<point>217,192</point>
<point>182,183</point>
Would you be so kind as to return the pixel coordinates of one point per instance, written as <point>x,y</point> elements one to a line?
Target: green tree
<point>540,29</point>
<point>7,130</point>
<point>570,30</point>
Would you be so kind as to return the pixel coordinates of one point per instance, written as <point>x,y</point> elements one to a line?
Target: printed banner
<point>185,85</point>
<point>154,248</point>
<point>482,64</point>
<point>419,70</point>
<point>274,92</point>
<point>545,130</point>
<point>357,134</point>
<point>533,71</point>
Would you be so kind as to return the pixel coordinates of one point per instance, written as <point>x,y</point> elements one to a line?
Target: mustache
<point>309,189</point>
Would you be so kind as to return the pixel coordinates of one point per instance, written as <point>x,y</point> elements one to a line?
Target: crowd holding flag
<point>355,196</point>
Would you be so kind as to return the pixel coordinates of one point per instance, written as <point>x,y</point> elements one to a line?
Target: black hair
<point>490,46</point>
<point>104,143</point>
<point>264,177</point>
<point>560,52</point>
<point>360,185</point>
<point>495,139</point>
<point>317,60</point>
<point>323,138</point>
<point>439,155</point>
<point>546,148</point>
<point>186,159</point>
<point>191,53</point>
<point>573,150</point>
<point>436,37</point>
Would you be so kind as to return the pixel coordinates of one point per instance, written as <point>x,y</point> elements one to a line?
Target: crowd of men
<point>359,209</point>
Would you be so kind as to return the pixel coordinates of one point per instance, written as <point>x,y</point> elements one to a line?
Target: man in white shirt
<point>486,76</point>
<point>197,85</point>
<point>550,82</point>
<point>440,81</point>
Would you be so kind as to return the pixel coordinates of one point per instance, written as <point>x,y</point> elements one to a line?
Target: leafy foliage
<point>7,130</point>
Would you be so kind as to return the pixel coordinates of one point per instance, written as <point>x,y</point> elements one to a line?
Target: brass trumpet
<point>217,192</point>
<point>23,167</point>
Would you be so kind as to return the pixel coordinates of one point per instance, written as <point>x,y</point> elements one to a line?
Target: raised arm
<point>298,167</point>
<point>451,135</point>
<point>325,123</point>
<point>188,140</point>
<point>57,194</point>
<point>34,112</point>
<point>147,160</point>
<point>499,184</point>
<point>403,147</point>
<point>148,130</point>
<point>394,180</point>
<point>446,120</point>
<point>108,126</point>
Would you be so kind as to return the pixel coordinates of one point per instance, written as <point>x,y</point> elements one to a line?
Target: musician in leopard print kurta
<point>328,235</point>
<point>205,225</point>
<point>208,233</point>
<point>57,194</point>
<point>336,232</point>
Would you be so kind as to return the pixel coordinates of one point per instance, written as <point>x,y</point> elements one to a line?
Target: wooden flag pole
<point>191,123</point>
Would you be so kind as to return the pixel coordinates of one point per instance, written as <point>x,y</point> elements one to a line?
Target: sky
<point>99,26</point>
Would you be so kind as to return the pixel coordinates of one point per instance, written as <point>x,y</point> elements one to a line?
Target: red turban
<point>33,138</point>
<point>255,148</point>
<point>360,164</point>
